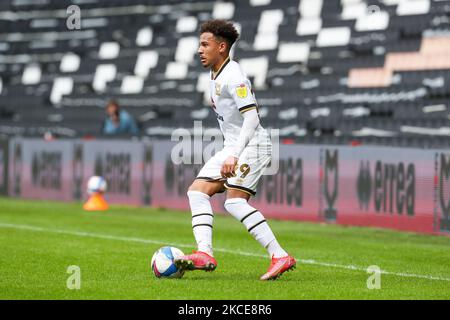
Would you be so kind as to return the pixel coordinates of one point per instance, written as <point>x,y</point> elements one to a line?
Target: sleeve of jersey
<point>251,122</point>
<point>242,95</point>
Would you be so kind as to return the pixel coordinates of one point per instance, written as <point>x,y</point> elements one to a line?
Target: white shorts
<point>250,168</point>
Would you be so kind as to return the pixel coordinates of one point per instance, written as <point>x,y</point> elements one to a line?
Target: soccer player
<point>240,164</point>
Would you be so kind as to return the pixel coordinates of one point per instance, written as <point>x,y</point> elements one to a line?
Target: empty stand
<point>324,71</point>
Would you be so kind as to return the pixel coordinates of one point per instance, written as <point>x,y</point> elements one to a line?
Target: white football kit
<point>232,96</point>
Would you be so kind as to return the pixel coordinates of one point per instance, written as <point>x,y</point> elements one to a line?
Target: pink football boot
<point>196,261</point>
<point>278,266</point>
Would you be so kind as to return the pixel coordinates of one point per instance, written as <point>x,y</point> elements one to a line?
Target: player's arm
<point>251,122</point>
<point>249,126</point>
<point>246,105</point>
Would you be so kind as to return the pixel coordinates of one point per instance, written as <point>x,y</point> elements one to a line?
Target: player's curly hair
<point>222,29</point>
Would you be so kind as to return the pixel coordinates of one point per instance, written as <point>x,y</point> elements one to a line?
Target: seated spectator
<point>118,121</point>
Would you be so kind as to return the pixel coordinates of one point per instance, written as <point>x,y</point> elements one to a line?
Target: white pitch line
<point>237,252</point>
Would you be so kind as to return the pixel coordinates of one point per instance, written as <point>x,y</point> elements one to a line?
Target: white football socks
<point>202,220</point>
<point>256,224</point>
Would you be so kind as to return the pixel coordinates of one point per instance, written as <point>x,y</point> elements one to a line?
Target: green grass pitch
<point>40,240</point>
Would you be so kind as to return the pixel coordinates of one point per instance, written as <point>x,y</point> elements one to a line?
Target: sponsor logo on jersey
<point>218,89</point>
<point>241,91</point>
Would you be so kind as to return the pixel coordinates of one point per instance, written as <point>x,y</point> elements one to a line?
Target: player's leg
<point>251,165</point>
<point>207,183</point>
<point>237,205</point>
<point>199,195</point>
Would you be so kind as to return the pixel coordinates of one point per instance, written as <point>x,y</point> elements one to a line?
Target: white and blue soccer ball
<point>163,265</point>
<point>96,184</point>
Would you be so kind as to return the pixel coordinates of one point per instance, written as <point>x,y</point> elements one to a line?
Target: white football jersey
<point>232,95</point>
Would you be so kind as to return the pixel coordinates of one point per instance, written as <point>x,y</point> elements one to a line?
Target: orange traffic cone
<point>96,202</point>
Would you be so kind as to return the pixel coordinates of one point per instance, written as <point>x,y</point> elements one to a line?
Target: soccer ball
<point>96,184</point>
<point>162,263</point>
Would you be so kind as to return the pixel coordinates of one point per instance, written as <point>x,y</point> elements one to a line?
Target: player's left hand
<point>229,167</point>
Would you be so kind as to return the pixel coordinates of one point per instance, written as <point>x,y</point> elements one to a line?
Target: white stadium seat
<point>366,132</point>
<point>223,10</point>
<point>308,26</point>
<point>61,86</point>
<point>267,36</point>
<point>186,49</point>
<point>373,21</point>
<point>176,70</point>
<point>144,37</point>
<point>270,21</point>
<point>413,7</point>
<point>257,3</point>
<point>320,112</point>
<point>257,68</point>
<point>200,114</point>
<point>288,114</point>
<point>32,74</point>
<point>391,2</point>
<point>144,62</point>
<point>349,2</point>
<point>354,10</point>
<point>131,84</point>
<point>186,24</point>
<point>203,83</point>
<point>330,37</point>
<point>70,62</point>
<point>293,52</point>
<point>109,50</point>
<point>266,41</point>
<point>310,8</point>
<point>103,74</point>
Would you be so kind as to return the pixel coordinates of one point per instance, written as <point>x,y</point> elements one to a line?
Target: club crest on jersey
<point>241,91</point>
<point>218,89</point>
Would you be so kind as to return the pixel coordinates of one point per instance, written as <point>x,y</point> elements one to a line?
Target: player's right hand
<point>229,167</point>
